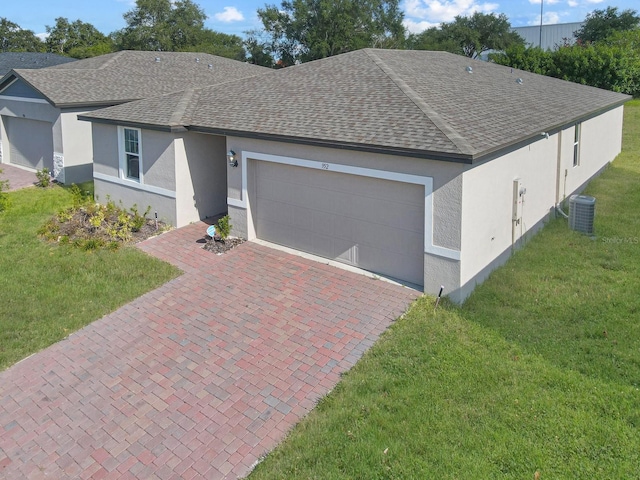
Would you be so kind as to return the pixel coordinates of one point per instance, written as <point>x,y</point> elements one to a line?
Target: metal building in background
<point>553,36</point>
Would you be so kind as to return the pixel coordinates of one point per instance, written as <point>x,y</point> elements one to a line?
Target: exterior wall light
<point>232,158</point>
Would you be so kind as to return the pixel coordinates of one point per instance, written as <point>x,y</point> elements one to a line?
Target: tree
<point>77,39</point>
<point>221,44</point>
<point>532,59</point>
<point>303,30</point>
<point>258,51</point>
<point>161,25</point>
<point>175,26</point>
<point>432,39</point>
<point>612,64</point>
<point>474,35</point>
<point>15,39</point>
<point>601,24</point>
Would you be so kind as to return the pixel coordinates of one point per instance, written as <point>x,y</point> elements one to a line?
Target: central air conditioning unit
<point>582,210</point>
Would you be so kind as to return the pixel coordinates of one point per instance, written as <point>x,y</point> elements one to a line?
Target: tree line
<point>606,52</point>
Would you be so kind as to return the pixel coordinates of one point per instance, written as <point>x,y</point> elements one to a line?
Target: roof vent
<point>197,60</point>
<point>469,69</point>
<point>210,67</point>
<point>582,210</point>
<point>157,59</point>
<point>519,81</point>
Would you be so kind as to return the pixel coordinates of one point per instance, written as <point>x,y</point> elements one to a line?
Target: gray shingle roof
<point>131,75</point>
<point>410,102</point>
<point>29,60</point>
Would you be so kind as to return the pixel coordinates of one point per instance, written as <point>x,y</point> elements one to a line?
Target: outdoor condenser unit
<point>582,210</point>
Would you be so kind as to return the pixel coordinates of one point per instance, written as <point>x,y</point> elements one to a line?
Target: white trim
<point>427,182</point>
<point>135,185</point>
<point>122,154</point>
<point>24,99</point>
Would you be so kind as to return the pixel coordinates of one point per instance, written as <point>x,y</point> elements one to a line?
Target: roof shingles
<point>414,102</point>
<point>131,75</point>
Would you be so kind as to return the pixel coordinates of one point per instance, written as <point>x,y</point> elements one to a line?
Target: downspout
<point>558,206</point>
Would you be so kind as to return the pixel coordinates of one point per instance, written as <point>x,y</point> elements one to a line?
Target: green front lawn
<point>49,291</point>
<point>537,374</point>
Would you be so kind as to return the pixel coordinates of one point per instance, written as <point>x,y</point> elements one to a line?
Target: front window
<point>130,153</point>
<point>576,145</point>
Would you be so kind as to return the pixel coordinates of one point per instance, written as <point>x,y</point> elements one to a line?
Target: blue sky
<point>237,16</point>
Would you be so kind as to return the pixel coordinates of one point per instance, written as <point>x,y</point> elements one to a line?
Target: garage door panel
<point>371,223</point>
<point>30,142</point>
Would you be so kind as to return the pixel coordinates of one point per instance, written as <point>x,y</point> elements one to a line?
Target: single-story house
<point>421,166</point>
<point>29,60</point>
<point>39,108</point>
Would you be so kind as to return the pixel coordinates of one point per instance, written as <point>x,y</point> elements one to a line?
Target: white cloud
<point>595,1</point>
<point>550,18</point>
<point>572,3</point>
<point>42,36</point>
<point>436,11</point>
<point>546,2</point>
<point>417,27</point>
<point>230,14</point>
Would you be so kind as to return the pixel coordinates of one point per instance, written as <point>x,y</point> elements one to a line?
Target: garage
<point>30,142</point>
<point>371,223</point>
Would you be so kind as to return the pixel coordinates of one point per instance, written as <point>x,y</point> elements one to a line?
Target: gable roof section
<point>29,60</point>
<point>416,103</point>
<point>130,75</point>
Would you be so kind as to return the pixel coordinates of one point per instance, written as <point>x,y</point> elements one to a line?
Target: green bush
<point>44,177</point>
<point>4,198</point>
<point>223,227</point>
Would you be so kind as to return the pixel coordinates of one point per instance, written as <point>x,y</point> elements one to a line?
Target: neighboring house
<point>29,60</point>
<point>553,36</point>
<point>421,166</point>
<point>39,108</point>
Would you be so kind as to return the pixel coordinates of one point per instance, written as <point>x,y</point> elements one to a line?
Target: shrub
<point>138,221</point>
<point>44,177</point>
<point>223,227</point>
<point>4,198</point>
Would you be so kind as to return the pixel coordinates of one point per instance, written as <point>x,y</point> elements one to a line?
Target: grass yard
<point>537,375</point>
<point>49,291</point>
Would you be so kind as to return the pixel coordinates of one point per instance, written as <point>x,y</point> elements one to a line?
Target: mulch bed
<point>78,227</point>
<point>219,246</point>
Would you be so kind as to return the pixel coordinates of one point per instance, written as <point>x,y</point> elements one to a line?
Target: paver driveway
<point>198,378</point>
<point>17,177</point>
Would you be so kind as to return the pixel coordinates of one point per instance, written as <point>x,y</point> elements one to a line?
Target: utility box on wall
<point>518,199</point>
<point>582,212</point>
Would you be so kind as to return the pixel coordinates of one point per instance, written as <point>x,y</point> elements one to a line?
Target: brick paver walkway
<point>197,379</point>
<point>18,178</point>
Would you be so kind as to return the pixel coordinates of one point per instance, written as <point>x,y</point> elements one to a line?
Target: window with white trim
<point>576,144</point>
<point>130,154</point>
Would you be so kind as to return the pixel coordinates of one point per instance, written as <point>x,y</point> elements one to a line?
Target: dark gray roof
<point>29,60</point>
<point>131,75</point>
<point>398,101</point>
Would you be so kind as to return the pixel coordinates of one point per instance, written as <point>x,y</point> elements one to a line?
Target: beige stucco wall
<point>487,199</point>
<point>201,177</point>
<point>71,137</point>
<point>105,149</point>
<point>77,146</point>
<point>447,194</point>
<point>189,166</point>
<point>158,168</point>
<point>600,143</point>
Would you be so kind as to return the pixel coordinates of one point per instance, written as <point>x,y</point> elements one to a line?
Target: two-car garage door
<point>30,142</point>
<point>375,224</point>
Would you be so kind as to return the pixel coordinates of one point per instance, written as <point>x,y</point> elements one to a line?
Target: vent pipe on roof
<point>519,81</point>
<point>157,59</point>
<point>197,60</point>
<point>469,69</point>
<point>210,67</point>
